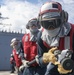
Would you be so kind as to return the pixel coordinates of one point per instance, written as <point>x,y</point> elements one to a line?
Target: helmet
<point>51,15</point>
<point>32,22</point>
<point>14,42</point>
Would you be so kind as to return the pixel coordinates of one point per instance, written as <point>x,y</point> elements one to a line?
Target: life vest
<point>65,42</point>
<point>30,47</point>
<point>17,58</point>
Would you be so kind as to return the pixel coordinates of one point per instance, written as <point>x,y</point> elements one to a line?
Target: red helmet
<point>50,7</point>
<point>50,15</point>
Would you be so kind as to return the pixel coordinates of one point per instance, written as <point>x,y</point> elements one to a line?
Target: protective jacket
<point>65,42</point>
<point>30,47</point>
<point>16,58</point>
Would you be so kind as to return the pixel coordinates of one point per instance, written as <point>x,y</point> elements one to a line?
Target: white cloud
<point>19,13</point>
<point>68,1</point>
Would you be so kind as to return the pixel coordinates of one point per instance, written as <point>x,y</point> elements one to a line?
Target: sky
<point>19,12</point>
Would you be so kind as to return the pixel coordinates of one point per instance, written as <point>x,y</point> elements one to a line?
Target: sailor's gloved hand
<point>25,63</point>
<point>50,56</point>
<point>21,68</point>
<point>61,70</point>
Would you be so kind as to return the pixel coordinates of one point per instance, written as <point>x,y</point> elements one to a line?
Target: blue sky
<point>20,11</point>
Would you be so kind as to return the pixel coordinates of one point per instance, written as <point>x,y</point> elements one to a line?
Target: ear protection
<point>38,24</point>
<point>63,15</point>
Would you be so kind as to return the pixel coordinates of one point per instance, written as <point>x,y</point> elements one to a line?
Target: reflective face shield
<point>33,23</point>
<point>51,24</point>
<point>51,20</point>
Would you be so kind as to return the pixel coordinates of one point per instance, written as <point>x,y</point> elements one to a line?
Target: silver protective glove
<point>21,68</point>
<point>25,63</point>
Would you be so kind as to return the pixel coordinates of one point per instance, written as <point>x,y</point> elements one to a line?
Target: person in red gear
<point>57,32</point>
<point>29,42</point>
<point>16,55</point>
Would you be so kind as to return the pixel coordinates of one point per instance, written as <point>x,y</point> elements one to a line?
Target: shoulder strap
<point>40,42</point>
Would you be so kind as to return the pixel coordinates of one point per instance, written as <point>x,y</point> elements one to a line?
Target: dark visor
<point>51,23</point>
